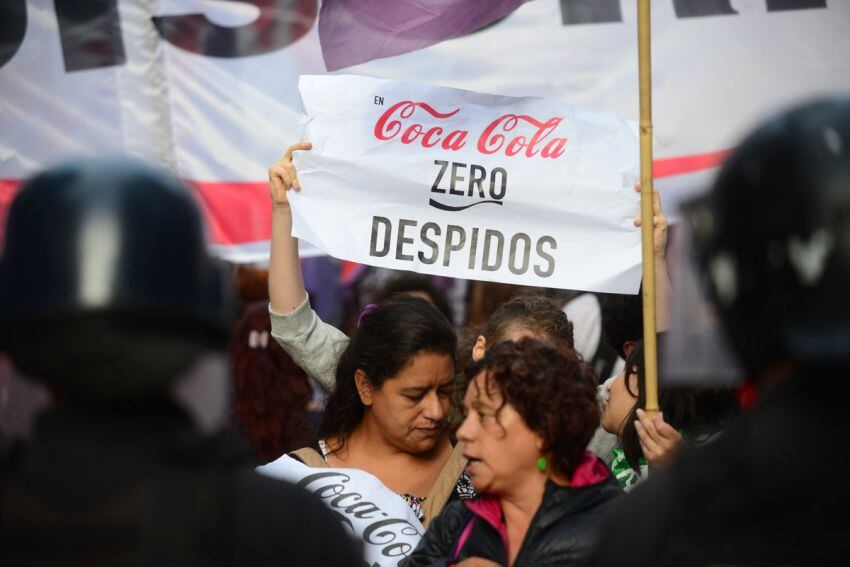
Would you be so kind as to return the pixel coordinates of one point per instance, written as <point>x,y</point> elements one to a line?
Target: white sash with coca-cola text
<point>369,510</point>
<point>450,182</point>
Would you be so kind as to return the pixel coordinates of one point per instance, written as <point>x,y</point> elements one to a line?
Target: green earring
<point>542,463</point>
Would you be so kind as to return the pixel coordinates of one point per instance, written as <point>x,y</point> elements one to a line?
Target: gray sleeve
<point>314,345</point>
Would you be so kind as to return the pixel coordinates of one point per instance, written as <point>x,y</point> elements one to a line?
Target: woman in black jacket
<point>531,409</point>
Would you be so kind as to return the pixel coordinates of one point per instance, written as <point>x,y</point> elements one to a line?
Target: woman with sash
<point>319,349</point>
<point>390,384</point>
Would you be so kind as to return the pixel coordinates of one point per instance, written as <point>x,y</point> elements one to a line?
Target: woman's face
<point>502,450</point>
<point>410,409</point>
<point>619,402</point>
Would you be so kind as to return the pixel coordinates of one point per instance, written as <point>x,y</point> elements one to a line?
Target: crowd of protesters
<point>512,424</point>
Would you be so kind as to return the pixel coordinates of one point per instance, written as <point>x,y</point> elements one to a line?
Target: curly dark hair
<point>535,312</point>
<point>553,391</point>
<point>389,336</point>
<point>271,393</point>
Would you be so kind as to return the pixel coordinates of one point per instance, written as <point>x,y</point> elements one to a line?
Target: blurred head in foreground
<point>772,242</point>
<point>107,289</point>
<point>110,300</point>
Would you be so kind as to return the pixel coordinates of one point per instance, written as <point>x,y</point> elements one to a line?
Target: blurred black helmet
<point>773,239</point>
<point>106,287</point>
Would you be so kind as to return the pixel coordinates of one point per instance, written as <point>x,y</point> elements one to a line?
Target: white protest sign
<point>209,89</point>
<point>451,182</point>
<point>371,511</point>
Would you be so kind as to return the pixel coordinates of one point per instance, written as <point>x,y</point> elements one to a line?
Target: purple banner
<point>356,31</point>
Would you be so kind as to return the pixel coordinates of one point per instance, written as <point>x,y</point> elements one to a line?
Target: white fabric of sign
<point>368,509</point>
<point>215,119</point>
<point>443,181</point>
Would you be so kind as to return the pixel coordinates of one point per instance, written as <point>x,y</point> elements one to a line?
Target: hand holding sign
<point>286,284</point>
<point>283,177</point>
<point>659,221</point>
<point>417,177</point>
<point>663,286</point>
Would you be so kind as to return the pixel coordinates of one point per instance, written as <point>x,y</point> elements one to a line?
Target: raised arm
<point>314,345</point>
<point>286,284</point>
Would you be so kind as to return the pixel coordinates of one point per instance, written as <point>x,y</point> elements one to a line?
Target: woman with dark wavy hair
<point>388,414</point>
<point>531,409</point>
<point>390,383</point>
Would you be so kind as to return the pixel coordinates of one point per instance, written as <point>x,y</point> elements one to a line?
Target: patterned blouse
<point>463,489</point>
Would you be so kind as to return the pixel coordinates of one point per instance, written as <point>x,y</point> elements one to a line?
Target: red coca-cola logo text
<point>493,140</point>
<point>511,134</point>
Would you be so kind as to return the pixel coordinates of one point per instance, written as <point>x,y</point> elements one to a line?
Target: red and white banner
<point>209,88</point>
<point>450,182</point>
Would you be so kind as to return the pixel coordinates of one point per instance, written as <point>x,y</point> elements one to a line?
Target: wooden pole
<point>650,348</point>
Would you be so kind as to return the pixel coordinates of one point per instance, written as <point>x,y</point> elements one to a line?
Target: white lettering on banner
<point>368,509</point>
<point>443,181</point>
